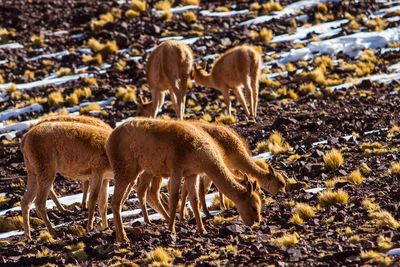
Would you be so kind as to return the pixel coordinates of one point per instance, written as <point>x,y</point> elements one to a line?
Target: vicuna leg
<point>142,186</point>
<point>122,179</point>
<point>254,86</point>
<point>103,202</point>
<point>153,197</point>
<point>45,179</point>
<point>184,195</point>
<point>95,183</point>
<point>157,97</point>
<point>227,100</point>
<point>174,185</point>
<point>192,186</point>
<point>85,189</point>
<point>239,95</point>
<point>204,186</point>
<point>249,93</point>
<point>26,202</point>
<point>54,197</point>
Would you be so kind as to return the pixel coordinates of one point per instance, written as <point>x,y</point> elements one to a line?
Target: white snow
<point>11,46</point>
<point>207,13</point>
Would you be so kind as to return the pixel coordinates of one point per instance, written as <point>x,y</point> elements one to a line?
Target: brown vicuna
<point>72,149</point>
<point>239,66</point>
<point>81,119</point>
<point>175,149</point>
<point>168,68</point>
<point>237,156</point>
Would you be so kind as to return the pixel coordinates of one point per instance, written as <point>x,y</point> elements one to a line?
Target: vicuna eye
<point>282,183</point>
<point>254,209</point>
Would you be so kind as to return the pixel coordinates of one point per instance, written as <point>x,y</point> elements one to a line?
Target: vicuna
<point>81,119</point>
<point>74,150</point>
<point>173,149</point>
<point>168,68</point>
<point>239,66</point>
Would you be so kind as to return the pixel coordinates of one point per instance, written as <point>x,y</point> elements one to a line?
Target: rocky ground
<point>359,231</point>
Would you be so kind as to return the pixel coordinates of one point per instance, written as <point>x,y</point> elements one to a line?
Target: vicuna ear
<point>255,185</point>
<point>249,185</point>
<point>205,65</point>
<point>141,100</point>
<point>271,170</point>
<point>240,173</point>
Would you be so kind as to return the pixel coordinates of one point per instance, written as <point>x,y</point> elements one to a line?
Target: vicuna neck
<point>205,79</point>
<point>226,183</point>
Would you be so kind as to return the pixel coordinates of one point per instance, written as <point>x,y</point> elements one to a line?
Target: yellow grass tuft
<point>126,94</point>
<point>132,14</point>
<point>365,170</point>
<point>296,219</point>
<point>216,202</point>
<point>119,66</point>
<point>384,243</point>
<point>265,35</point>
<point>376,258</point>
<point>189,16</point>
<point>30,75</point>
<point>89,108</point>
<point>353,25</point>
<point>333,159</point>
<point>4,243</point>
<point>355,177</point>
<point>321,7</point>
<point>369,206</point>
<point>226,119</point>
<point>162,5</point>
<point>329,197</point>
<point>190,2</point>
<point>222,9</point>
<point>45,237</point>
<point>304,211</point>
<point>306,88</point>
<point>78,230</point>
<point>287,239</point>
<point>5,35</point>
<point>165,16</point>
<point>37,41</point>
<point>394,167</point>
<point>91,60</point>
<point>63,71</point>
<point>55,99</point>
<point>275,144</point>
<point>139,6</point>
<point>269,7</point>
<point>377,24</point>
<point>383,218</point>
<point>354,239</point>
<point>218,219</point>
<point>332,182</point>
<point>158,257</point>
<point>8,224</point>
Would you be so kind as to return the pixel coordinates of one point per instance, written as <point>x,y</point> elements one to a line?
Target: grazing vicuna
<point>74,150</point>
<point>175,149</point>
<point>81,119</point>
<point>237,156</point>
<point>239,66</point>
<point>168,68</point>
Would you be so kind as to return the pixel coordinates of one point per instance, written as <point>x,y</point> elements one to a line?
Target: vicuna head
<point>250,209</point>
<point>144,108</point>
<point>276,182</point>
<point>198,71</point>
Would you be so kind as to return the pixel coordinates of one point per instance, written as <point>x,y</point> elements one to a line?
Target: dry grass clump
<point>119,66</point>
<point>37,41</point>
<point>269,7</point>
<point>74,97</point>
<point>222,9</point>
<point>89,108</point>
<point>138,5</point>
<point>355,177</point>
<point>383,218</point>
<point>55,99</point>
<point>77,230</point>
<point>333,159</point>
<point>286,239</point>
<point>63,72</point>
<point>377,24</point>
<point>354,239</point>
<point>275,144</point>
<point>158,257</point>
<point>45,237</point>
<point>265,35</point>
<point>88,81</point>
<point>394,167</point>
<point>30,75</point>
<point>132,14</point>
<point>98,24</point>
<point>190,2</point>
<point>104,49</point>
<point>269,82</point>
<point>376,258</point>
<point>163,5</point>
<point>215,205</point>
<point>207,117</point>
<point>321,7</point>
<point>306,88</point>
<point>353,25</point>
<point>365,170</point>
<point>189,16</point>
<point>304,211</point>
<point>91,60</point>
<point>329,197</point>
<point>5,35</point>
<point>226,119</point>
<point>126,94</point>
<point>167,15</point>
<point>384,243</point>
<point>8,224</point>
<point>296,219</point>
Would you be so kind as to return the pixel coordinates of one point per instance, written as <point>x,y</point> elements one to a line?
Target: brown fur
<point>81,119</point>
<point>168,68</point>
<point>236,67</point>
<point>74,150</point>
<point>173,149</point>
